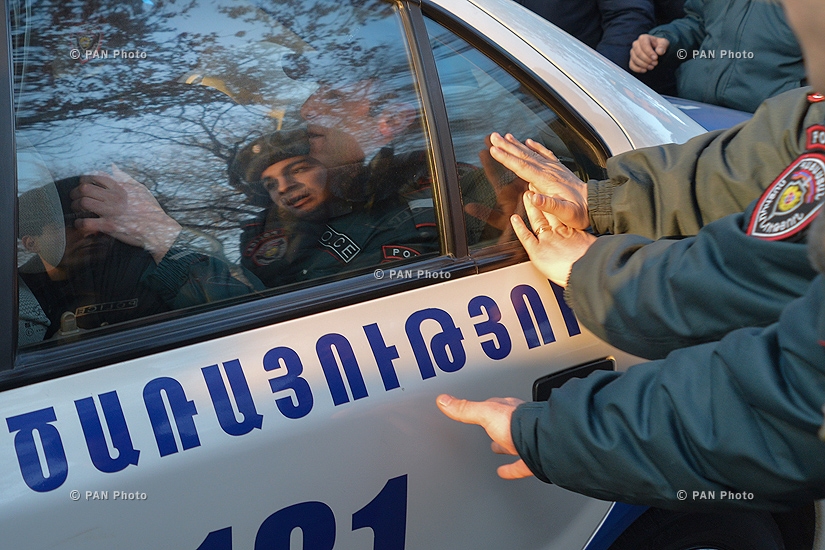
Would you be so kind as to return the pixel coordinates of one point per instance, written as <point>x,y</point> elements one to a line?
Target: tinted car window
<point>481,97</point>
<point>175,155</point>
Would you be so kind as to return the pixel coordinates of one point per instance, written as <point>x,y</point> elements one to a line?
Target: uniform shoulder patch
<point>792,201</point>
<point>267,247</point>
<point>816,137</point>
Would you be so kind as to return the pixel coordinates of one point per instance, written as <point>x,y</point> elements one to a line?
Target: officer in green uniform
<point>648,297</point>
<point>311,227</point>
<point>743,409</point>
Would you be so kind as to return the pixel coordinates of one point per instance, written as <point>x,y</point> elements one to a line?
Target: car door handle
<point>544,385</point>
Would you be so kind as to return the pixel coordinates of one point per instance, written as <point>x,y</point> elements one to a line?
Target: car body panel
<point>266,468</point>
<point>711,117</point>
<point>582,102</point>
<point>644,118</point>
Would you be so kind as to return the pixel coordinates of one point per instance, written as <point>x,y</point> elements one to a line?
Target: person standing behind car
<point>735,53</point>
<point>607,26</point>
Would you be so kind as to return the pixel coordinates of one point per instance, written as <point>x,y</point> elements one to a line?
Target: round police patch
<point>792,201</point>
<point>267,247</point>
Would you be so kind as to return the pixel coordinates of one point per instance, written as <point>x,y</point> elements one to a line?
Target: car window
<point>481,97</point>
<point>174,155</point>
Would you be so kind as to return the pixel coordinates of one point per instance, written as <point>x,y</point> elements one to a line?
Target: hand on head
<point>494,416</point>
<point>126,210</point>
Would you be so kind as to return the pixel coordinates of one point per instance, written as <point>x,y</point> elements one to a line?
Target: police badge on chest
<point>267,247</point>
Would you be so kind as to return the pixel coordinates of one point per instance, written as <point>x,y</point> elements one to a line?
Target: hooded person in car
<point>84,278</point>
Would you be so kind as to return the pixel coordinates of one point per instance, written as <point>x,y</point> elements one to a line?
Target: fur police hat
<point>248,164</point>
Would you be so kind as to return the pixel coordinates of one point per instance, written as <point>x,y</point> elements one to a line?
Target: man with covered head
<point>82,277</point>
<point>311,225</point>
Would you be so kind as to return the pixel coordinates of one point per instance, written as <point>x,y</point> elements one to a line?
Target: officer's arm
<point>687,32</point>
<point>193,272</point>
<point>651,297</point>
<point>676,189</point>
<point>738,415</point>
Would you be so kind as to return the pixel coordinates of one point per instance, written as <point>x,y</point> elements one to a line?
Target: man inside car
<point>84,278</point>
<point>310,226</point>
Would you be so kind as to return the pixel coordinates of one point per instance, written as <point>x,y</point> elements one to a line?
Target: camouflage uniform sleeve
<point>32,322</point>
<point>741,414</point>
<point>676,189</point>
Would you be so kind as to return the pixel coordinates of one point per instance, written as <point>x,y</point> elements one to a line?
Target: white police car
<point>229,389</point>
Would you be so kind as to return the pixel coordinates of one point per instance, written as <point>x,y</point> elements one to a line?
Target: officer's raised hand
<point>560,191</point>
<point>126,210</point>
<point>494,416</point>
<point>553,247</point>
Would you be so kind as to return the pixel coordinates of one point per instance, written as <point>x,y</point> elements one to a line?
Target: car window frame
<point>150,335</point>
<point>495,256</point>
<point>8,200</point>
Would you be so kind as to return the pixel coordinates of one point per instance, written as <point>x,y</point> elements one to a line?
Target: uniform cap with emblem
<point>250,161</point>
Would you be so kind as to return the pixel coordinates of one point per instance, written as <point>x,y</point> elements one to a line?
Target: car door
<point>254,412</point>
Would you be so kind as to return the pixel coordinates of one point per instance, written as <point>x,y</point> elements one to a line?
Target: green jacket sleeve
<point>675,189</point>
<point>651,297</point>
<point>738,415</point>
<point>191,274</point>
<point>686,32</point>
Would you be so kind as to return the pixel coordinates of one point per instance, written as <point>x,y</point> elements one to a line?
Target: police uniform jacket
<point>648,297</point>
<point>281,252</point>
<point>387,216</point>
<point>740,410</point>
